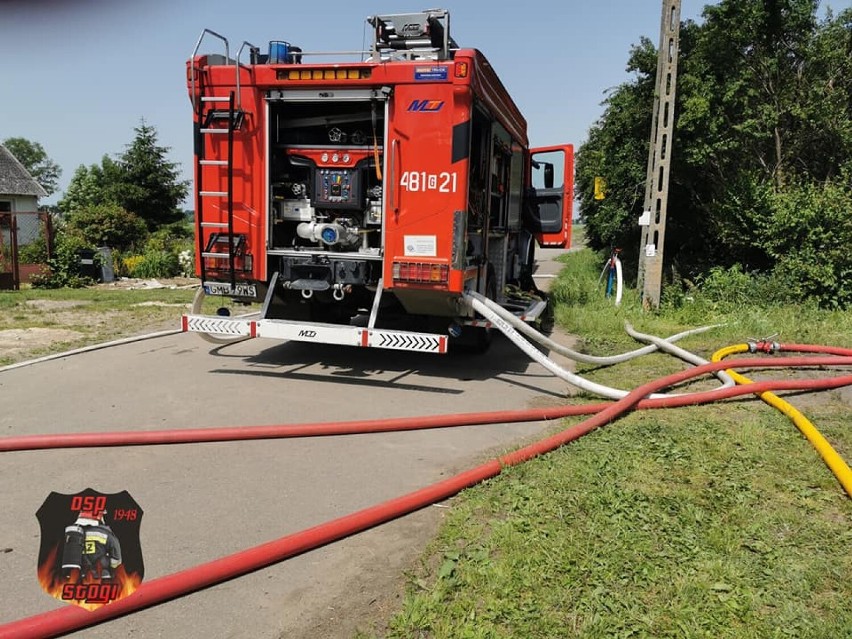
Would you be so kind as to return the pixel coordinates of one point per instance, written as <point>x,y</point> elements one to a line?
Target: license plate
<point>223,288</point>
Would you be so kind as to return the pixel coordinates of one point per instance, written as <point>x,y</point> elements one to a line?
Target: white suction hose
<point>535,335</point>
<point>677,351</point>
<point>475,300</point>
<point>619,281</point>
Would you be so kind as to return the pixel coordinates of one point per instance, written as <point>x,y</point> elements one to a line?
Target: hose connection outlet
<point>764,345</point>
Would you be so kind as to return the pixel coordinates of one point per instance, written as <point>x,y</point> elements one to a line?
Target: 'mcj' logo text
<point>426,105</point>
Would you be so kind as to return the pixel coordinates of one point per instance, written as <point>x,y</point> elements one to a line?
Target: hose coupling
<point>764,345</point>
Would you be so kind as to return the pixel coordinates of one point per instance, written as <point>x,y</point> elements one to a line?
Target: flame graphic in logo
<point>52,581</point>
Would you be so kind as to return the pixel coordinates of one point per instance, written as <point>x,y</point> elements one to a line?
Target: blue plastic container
<point>279,52</point>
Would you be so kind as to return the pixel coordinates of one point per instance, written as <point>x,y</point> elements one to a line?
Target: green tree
<point>763,117</point>
<point>148,183</point>
<point>825,107</point>
<point>617,149</point>
<point>35,160</point>
<point>92,185</point>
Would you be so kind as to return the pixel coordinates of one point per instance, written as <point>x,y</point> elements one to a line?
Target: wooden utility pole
<point>653,220</point>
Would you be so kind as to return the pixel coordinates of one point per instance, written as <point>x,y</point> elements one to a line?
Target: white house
<point>18,189</point>
<point>19,193</point>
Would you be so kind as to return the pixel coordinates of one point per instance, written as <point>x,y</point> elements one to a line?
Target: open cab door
<point>550,205</point>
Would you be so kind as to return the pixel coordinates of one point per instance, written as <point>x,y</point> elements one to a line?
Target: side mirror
<point>548,175</point>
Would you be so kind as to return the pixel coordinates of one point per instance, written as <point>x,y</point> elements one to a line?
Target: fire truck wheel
<point>213,338</point>
<point>482,339</point>
<point>473,339</point>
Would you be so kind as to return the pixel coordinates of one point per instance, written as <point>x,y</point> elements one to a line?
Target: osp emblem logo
<point>426,106</point>
<point>90,553</point>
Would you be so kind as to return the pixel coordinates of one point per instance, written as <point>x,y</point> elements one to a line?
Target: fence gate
<point>26,243</point>
<point>8,252</point>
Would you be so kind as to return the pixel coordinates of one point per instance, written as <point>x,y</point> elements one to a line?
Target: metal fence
<point>26,243</point>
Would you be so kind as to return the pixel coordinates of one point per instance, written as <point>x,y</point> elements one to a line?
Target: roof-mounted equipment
<point>412,36</point>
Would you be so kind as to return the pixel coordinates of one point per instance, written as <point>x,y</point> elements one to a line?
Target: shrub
<point>35,252</point>
<point>63,269</point>
<point>129,265</point>
<point>729,286</point>
<point>809,235</point>
<point>170,237</point>
<point>186,258</point>
<point>156,264</point>
<point>107,225</point>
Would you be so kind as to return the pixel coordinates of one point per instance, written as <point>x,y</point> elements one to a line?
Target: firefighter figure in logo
<point>92,548</point>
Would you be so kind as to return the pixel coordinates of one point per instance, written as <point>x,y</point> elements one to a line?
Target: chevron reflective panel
<point>407,342</point>
<point>317,333</point>
<point>217,325</point>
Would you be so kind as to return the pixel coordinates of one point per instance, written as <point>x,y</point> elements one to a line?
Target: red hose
<point>812,348</point>
<point>281,431</point>
<point>70,618</point>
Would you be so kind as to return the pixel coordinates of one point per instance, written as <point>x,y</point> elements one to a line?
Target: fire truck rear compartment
<point>325,187</point>
<point>326,211</point>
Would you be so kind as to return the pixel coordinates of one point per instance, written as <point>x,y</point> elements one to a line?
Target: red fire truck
<point>357,201</point>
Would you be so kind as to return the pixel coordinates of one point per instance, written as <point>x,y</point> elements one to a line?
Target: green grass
<point>714,521</point>
<point>97,314</point>
<point>103,298</point>
<point>578,234</point>
<point>93,314</point>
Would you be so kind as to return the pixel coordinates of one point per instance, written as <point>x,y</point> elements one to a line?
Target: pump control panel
<point>338,189</point>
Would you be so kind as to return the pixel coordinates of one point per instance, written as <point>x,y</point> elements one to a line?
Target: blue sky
<point>78,75</point>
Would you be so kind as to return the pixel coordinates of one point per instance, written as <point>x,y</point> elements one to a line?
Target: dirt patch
<point>546,401</point>
<point>365,588</point>
<point>52,305</point>
<point>172,304</point>
<point>130,283</point>
<point>20,340</point>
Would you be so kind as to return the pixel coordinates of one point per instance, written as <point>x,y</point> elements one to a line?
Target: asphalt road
<point>204,501</point>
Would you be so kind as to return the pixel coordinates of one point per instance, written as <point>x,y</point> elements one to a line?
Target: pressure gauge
<point>325,157</point>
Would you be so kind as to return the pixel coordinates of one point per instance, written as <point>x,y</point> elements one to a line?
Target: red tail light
<point>421,272</point>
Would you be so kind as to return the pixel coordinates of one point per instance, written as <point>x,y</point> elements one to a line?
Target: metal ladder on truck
<point>221,243</point>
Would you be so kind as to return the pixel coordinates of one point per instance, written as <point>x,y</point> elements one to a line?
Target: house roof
<point>15,179</point>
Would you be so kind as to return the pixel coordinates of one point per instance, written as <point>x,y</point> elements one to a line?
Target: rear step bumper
<point>316,333</point>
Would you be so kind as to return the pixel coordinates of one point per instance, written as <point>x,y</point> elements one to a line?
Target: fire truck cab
<point>358,200</point>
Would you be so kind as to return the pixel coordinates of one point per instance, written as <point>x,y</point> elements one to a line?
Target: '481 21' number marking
<point>422,181</point>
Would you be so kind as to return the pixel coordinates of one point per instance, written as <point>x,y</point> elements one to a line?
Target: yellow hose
<point>830,456</point>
